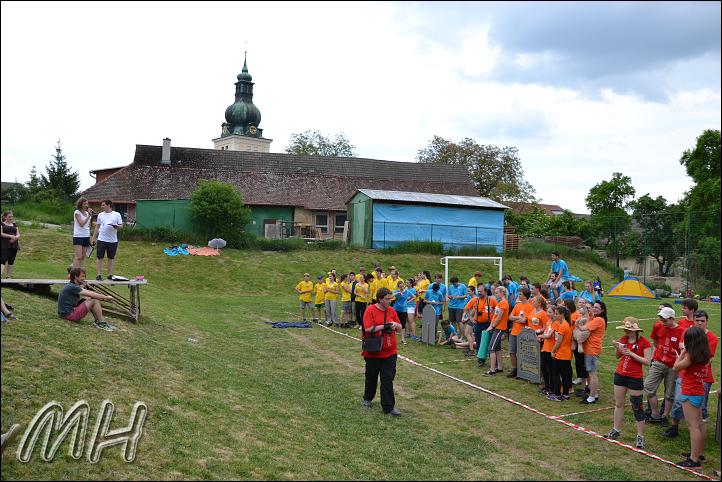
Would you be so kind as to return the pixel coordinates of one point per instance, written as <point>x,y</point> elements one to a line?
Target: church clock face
<point>252,129</point>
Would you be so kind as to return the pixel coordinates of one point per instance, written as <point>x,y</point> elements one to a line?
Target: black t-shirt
<point>5,243</point>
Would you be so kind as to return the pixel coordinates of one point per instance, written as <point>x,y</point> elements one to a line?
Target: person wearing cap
<point>677,414</point>
<point>667,336</point>
<point>304,289</point>
<point>633,351</point>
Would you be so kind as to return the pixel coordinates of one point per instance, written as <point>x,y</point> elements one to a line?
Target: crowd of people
<point>74,302</point>
<point>570,327</point>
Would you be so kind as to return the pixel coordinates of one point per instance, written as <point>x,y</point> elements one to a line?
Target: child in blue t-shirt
<point>569,293</point>
<point>435,299</point>
<point>448,336</point>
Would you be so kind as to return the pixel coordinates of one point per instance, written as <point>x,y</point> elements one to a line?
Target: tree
<point>662,235</point>
<point>217,210</point>
<point>60,180</point>
<point>608,202</point>
<point>313,143</point>
<point>497,172</point>
<point>703,200</point>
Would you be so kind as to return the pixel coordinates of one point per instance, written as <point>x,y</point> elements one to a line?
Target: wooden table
<point>129,307</point>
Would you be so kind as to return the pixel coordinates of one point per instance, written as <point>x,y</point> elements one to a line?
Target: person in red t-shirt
<point>700,321</point>
<point>633,351</point>
<point>689,307</point>
<point>692,366</point>
<point>380,319</point>
<point>667,336</point>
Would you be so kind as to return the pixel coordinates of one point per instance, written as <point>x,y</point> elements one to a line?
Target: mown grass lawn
<point>245,401</point>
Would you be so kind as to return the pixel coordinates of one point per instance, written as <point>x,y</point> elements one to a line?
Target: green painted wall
<point>259,213</point>
<point>359,212</point>
<point>172,213</point>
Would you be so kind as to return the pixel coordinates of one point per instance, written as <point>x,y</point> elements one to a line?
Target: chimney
<point>165,156</point>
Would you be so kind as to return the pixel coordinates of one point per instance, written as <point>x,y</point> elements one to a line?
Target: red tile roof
<point>274,179</point>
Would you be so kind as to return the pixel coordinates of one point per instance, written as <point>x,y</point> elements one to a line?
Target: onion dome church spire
<point>243,119</point>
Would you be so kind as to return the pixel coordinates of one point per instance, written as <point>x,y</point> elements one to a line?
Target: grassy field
<point>241,400</point>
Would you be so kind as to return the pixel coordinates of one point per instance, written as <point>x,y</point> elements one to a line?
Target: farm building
<point>296,195</point>
<point>382,218</point>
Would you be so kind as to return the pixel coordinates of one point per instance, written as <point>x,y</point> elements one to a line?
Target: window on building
<point>340,219</point>
<point>320,220</point>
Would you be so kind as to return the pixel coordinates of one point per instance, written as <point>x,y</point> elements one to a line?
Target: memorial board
<point>428,325</point>
<point>528,356</point>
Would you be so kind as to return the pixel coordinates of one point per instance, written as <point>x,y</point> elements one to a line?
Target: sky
<point>582,90</point>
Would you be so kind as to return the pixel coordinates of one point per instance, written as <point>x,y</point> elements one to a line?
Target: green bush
<point>658,285</point>
<point>415,247</point>
<point>330,244</point>
<point>160,234</point>
<point>46,211</point>
<point>217,211</point>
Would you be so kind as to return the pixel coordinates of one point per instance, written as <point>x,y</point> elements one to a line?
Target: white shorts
<point>410,311</point>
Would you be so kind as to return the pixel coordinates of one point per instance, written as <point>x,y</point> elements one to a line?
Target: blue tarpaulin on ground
<point>452,226</point>
<point>290,324</point>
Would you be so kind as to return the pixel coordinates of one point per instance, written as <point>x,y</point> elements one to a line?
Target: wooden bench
<point>129,307</point>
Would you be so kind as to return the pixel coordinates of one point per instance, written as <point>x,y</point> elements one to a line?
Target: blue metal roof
<point>429,198</point>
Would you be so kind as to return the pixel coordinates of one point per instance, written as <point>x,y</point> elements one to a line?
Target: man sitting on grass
<point>73,308</point>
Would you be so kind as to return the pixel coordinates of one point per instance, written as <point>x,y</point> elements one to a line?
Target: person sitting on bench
<point>73,308</point>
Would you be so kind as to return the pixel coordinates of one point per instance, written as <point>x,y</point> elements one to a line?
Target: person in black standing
<point>9,245</point>
<point>380,320</point>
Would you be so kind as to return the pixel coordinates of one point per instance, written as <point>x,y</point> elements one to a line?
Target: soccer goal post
<point>497,260</point>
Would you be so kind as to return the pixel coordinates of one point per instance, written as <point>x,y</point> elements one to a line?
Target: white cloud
<point>104,77</point>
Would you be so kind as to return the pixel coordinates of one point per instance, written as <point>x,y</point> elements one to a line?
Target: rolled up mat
<point>484,345</point>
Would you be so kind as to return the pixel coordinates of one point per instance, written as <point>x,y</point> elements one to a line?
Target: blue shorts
<point>695,400</point>
<point>590,362</point>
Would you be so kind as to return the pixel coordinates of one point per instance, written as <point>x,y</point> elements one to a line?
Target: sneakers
<point>576,381</point>
<point>586,401</point>
<point>393,412</point>
<point>565,397</point>
<point>366,403</point>
<point>663,421</point>
<point>553,398</point>
<point>687,455</point>
<point>613,434</point>
<point>480,363</point>
<point>640,442</point>
<point>404,341</point>
<point>671,432</point>
<point>512,373</point>
<point>689,463</point>
<point>490,373</point>
<point>99,278</point>
<point>544,391</point>
<point>103,325</point>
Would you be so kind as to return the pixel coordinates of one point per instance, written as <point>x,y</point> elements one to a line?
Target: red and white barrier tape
<point>574,426</point>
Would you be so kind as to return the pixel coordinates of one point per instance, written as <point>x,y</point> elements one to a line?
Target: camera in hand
<point>388,328</point>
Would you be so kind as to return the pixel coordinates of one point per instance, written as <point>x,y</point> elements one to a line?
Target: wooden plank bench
<point>129,307</point>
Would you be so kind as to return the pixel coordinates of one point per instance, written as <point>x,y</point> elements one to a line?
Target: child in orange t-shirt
<point>561,355</point>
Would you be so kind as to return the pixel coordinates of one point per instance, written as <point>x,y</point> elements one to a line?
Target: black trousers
<point>386,368</point>
<point>546,369</point>
<point>579,365</point>
<point>561,376</point>
<point>360,309</point>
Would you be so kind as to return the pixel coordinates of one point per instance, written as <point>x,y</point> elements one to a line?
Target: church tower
<point>240,131</point>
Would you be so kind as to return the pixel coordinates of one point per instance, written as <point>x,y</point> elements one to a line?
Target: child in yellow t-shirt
<point>304,289</point>
<point>345,287</point>
<point>319,298</point>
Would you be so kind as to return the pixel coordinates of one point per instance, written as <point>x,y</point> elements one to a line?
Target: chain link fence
<point>677,251</point>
